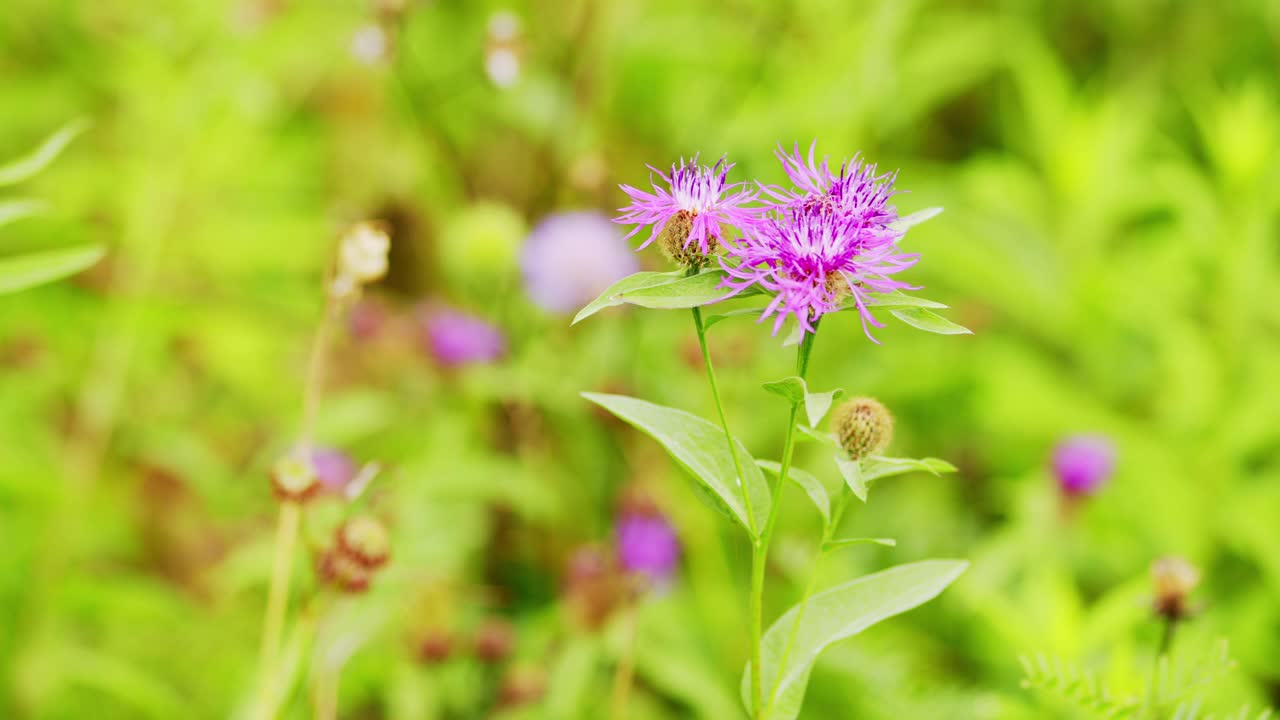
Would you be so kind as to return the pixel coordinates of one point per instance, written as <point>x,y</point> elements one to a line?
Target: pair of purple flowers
<point>828,239</point>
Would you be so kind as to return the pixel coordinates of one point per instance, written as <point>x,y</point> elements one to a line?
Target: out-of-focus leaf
<point>18,209</point>
<point>796,392</point>
<point>822,437</point>
<point>929,321</point>
<point>811,485</point>
<point>24,271</point>
<point>915,218</point>
<point>846,542</point>
<point>710,320</point>
<point>700,447</point>
<point>789,649</point>
<point>26,167</point>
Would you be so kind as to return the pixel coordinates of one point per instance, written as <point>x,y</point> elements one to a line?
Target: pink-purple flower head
<point>814,258</point>
<point>855,190</point>
<point>456,339</point>
<point>647,546</point>
<point>698,199</point>
<point>1082,463</point>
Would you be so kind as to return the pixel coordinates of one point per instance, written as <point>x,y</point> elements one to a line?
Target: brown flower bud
<point>365,541</point>
<point>1173,579</point>
<point>494,641</point>
<point>294,479</point>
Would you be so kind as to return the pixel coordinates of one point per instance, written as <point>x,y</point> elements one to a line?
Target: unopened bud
<point>435,648</point>
<point>364,541</point>
<point>674,242</point>
<point>344,572</point>
<point>1173,579</point>
<point>293,478</point>
<point>863,426</point>
<point>494,640</point>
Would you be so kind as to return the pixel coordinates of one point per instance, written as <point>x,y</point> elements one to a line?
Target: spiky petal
<point>703,193</point>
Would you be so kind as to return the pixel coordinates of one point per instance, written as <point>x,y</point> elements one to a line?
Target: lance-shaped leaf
<point>915,218</point>
<point>612,295</point>
<point>789,649</point>
<point>24,271</point>
<point>851,471</point>
<point>895,299</point>
<point>846,542</point>
<point>825,438</point>
<point>700,447</point>
<point>874,468</point>
<point>26,167</point>
<point>922,319</point>
<point>18,209</point>
<point>716,319</point>
<point>811,485</point>
<point>797,392</point>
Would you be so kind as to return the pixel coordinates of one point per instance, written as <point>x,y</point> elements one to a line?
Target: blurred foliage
<point>1111,173</point>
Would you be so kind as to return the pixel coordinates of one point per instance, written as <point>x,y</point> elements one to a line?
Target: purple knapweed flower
<point>455,338</point>
<point>1082,463</point>
<point>856,189</point>
<point>813,259</point>
<point>647,546</point>
<point>698,195</point>
<point>570,258</point>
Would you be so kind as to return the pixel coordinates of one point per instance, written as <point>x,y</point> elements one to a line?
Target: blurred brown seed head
<point>1173,579</point>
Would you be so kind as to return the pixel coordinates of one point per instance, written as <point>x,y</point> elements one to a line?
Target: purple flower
<point>828,240</point>
<point>454,338</point>
<point>813,259</point>
<point>570,258</point>
<point>648,546</point>
<point>698,190</point>
<point>1082,463</point>
<point>333,468</point>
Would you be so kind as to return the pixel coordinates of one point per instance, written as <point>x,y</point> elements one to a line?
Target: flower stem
<point>756,688</point>
<point>761,550</point>
<point>625,675</point>
<point>289,520</point>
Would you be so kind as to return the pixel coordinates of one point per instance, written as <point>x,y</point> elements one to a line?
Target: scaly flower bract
<point>701,193</point>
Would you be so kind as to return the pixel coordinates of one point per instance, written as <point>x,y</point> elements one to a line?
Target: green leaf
<point>811,485</point>
<point>915,218</point>
<point>699,446</point>
<point>704,288</point>
<point>710,320</point>
<point>929,321</point>
<point>822,437</point>
<point>790,649</point>
<point>24,271</point>
<point>612,294</point>
<point>897,298</point>
<point>18,209</point>
<point>795,391</point>
<point>26,167</point>
<point>851,471</point>
<point>846,542</point>
<point>874,468</point>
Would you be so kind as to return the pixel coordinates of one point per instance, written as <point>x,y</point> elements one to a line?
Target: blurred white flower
<point>369,44</point>
<point>503,66</point>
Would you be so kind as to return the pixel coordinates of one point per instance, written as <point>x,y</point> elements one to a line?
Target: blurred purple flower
<point>333,468</point>
<point>1082,463</point>
<point>701,191</point>
<point>455,338</point>
<point>648,546</point>
<point>570,258</point>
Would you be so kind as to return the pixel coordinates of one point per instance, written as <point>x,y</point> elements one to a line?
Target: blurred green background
<point>1111,173</point>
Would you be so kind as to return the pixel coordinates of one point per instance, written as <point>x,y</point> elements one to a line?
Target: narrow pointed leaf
<point>915,218</point>
<point>895,299</point>
<point>822,437</point>
<point>612,294</point>
<point>700,447</point>
<point>18,209</point>
<point>28,166</point>
<point>789,651</point>
<point>716,319</point>
<point>704,288</point>
<point>851,470</point>
<point>811,485</point>
<point>929,321</point>
<point>874,468</point>
<point>24,271</point>
<point>846,542</point>
<point>796,391</point>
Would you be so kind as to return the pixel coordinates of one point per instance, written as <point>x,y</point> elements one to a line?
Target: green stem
<point>761,554</point>
<point>756,686</point>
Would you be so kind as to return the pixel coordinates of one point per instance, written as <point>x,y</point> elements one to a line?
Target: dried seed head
<point>674,242</point>
<point>362,259</point>
<point>1173,579</point>
<point>293,478</point>
<point>364,541</point>
<point>863,426</point>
